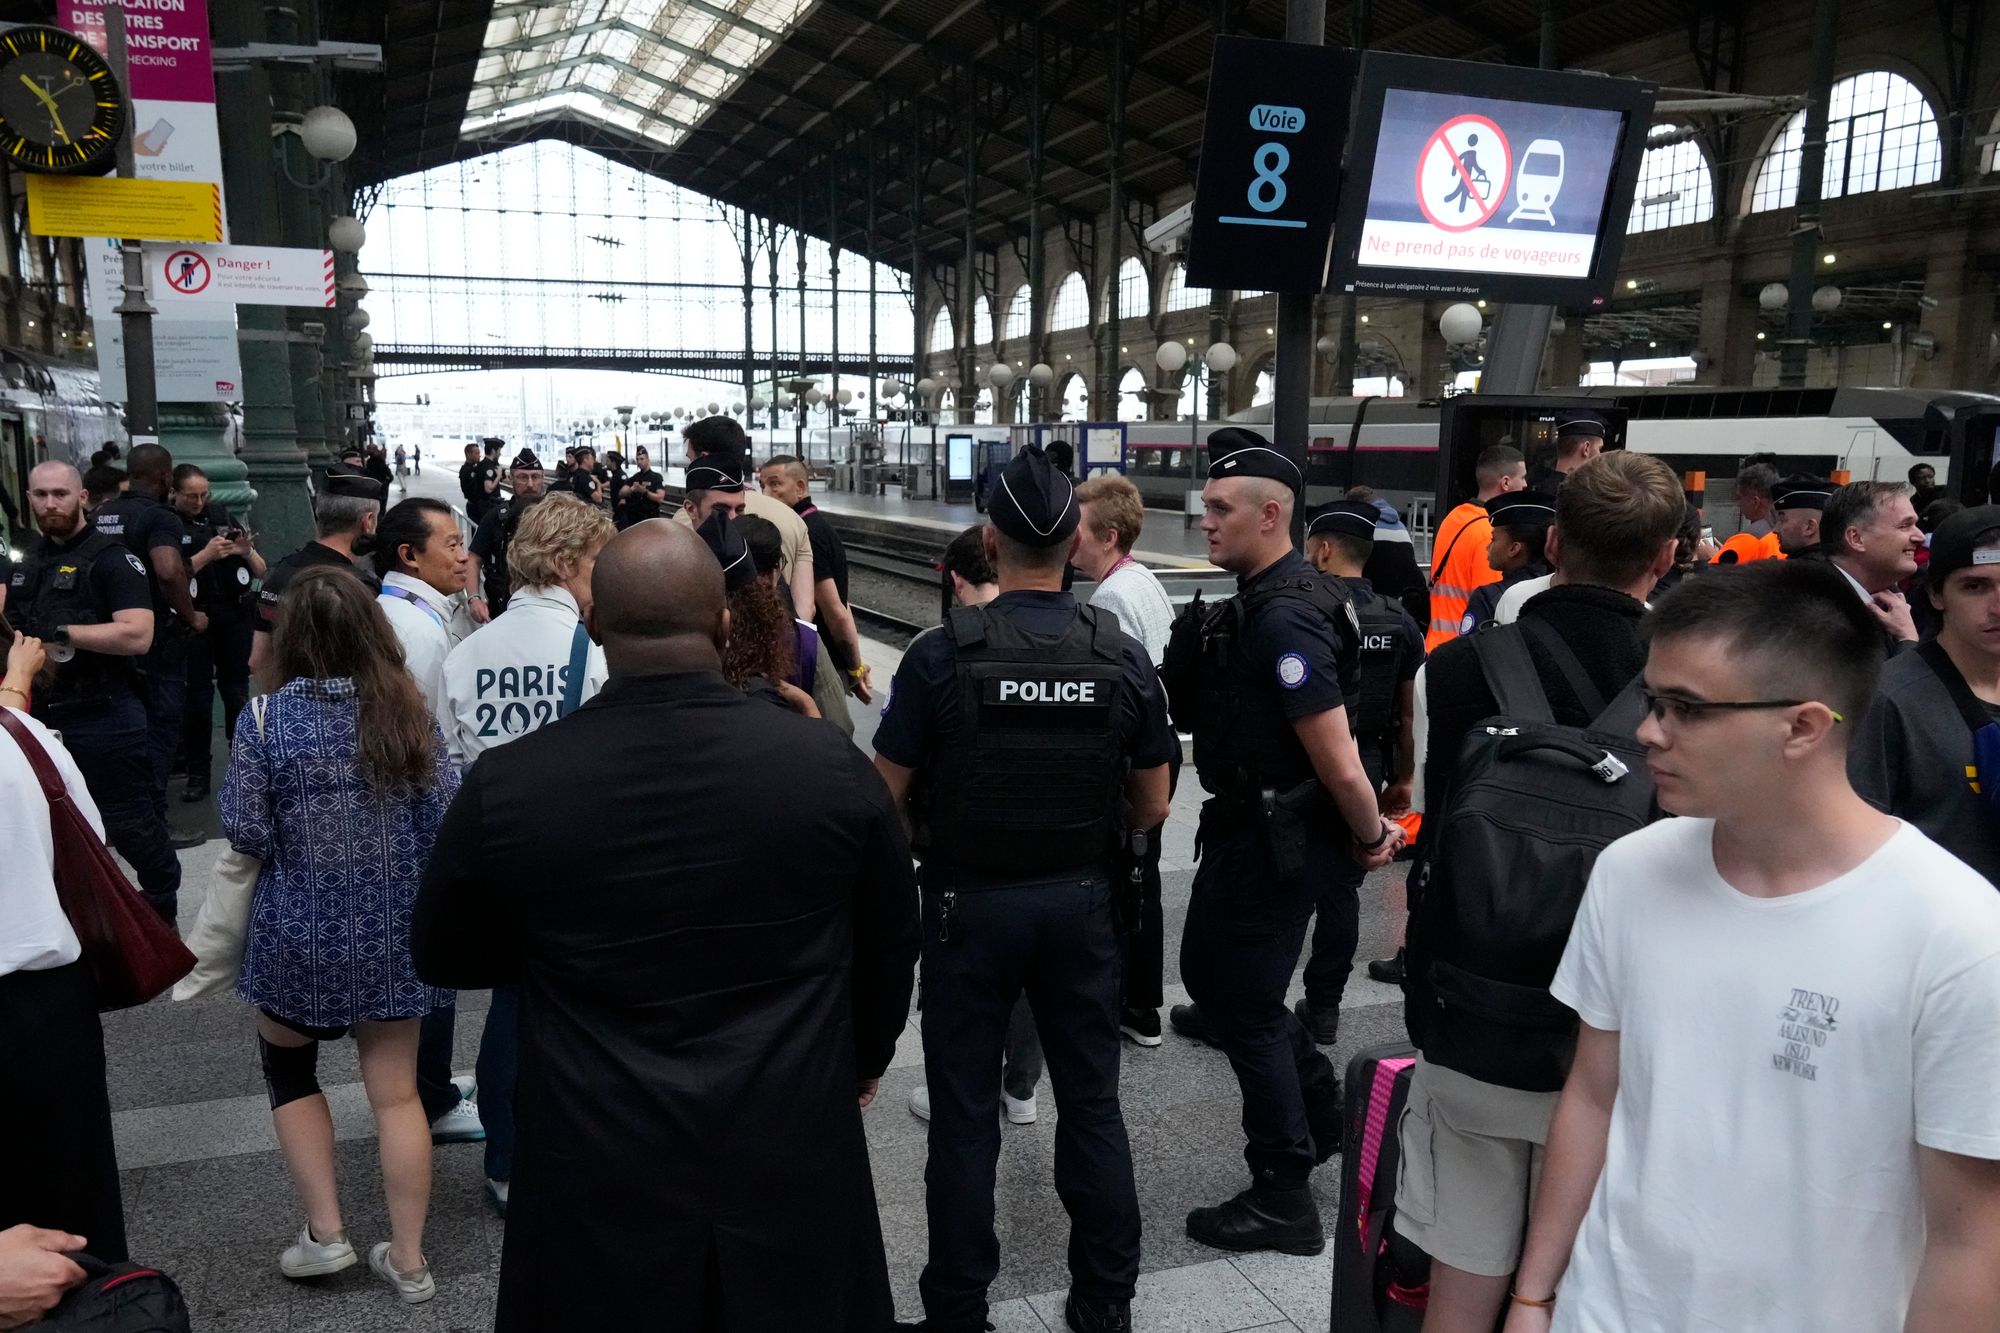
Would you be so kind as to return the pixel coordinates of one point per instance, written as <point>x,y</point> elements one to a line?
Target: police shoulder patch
<point>1293,671</point>
<point>1466,626</point>
<point>133,561</point>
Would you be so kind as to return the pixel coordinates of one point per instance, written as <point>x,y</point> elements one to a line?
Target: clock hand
<point>55,114</point>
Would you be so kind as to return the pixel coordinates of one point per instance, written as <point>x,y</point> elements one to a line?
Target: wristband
<point>857,671</point>
<point>1519,1299</point>
<point>1388,832</point>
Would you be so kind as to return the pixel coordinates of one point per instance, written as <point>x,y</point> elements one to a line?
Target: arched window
<point>943,338</point>
<point>1020,314</point>
<point>1180,296</point>
<point>1071,308</point>
<point>1134,299</point>
<point>1074,397</point>
<point>1132,395</point>
<point>982,322</point>
<point>1880,135</point>
<point>1267,387</point>
<point>1675,184</point>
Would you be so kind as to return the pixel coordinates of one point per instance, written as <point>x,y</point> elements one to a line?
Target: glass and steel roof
<point>651,68</point>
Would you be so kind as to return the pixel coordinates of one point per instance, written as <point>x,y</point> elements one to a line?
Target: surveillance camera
<point>1169,235</point>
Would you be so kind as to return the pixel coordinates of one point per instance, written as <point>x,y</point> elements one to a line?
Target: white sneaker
<point>920,1101</point>
<point>458,1125</point>
<point>414,1288</point>
<point>1020,1110</point>
<point>316,1258</point>
<point>468,1087</point>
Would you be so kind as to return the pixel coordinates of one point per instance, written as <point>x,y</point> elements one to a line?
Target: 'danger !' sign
<point>1489,181</point>
<point>1270,165</point>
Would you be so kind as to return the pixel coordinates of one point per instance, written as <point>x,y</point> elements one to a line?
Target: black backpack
<point>1533,804</point>
<point>119,1298</point>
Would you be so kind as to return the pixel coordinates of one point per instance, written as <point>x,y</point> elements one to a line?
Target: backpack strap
<point>1510,673</point>
<point>1948,674</point>
<point>968,625</point>
<point>1104,632</point>
<point>1566,663</point>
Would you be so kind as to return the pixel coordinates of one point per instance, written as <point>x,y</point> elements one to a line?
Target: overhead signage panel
<point>1270,165</point>
<point>146,210</point>
<point>1490,181</point>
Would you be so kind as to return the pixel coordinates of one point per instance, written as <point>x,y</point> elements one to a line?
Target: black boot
<point>1088,1316</point>
<point>1261,1218</point>
<point>1191,1023</point>
<point>1388,971</point>
<point>1322,1025</point>
<point>1326,1115</point>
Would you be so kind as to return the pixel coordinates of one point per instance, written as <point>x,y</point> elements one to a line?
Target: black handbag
<point>118,1298</point>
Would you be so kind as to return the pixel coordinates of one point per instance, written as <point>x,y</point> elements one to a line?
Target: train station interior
<point>861,227</point>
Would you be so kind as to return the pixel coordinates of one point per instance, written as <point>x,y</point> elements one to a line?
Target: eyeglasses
<point>1665,706</point>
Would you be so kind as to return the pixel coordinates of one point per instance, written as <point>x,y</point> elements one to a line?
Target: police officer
<point>490,583</point>
<point>346,510</point>
<point>223,563</point>
<point>479,478</point>
<point>1579,438</point>
<point>143,521</point>
<point>1264,680</point>
<point>86,597</point>
<point>1382,716</point>
<point>1799,502</point>
<point>1016,732</point>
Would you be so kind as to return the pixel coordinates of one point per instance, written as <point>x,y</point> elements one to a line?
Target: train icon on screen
<point>1538,182</point>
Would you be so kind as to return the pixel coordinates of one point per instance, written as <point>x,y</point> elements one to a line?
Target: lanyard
<point>1123,561</point>
<point>810,508</point>
<point>415,601</point>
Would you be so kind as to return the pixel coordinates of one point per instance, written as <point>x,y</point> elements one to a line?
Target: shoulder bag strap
<point>1510,673</point>
<point>38,758</point>
<point>1566,662</point>
<point>579,657</point>
<point>1437,566</point>
<point>1962,697</point>
<point>257,713</point>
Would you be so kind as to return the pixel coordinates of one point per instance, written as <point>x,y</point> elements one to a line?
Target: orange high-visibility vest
<point>1458,568</point>
<point>1747,548</point>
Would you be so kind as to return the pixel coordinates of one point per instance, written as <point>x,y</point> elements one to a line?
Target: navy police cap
<point>1800,491</point>
<point>715,472</point>
<point>1235,452</point>
<point>731,551</point>
<point>1522,508</point>
<point>1354,519</point>
<point>351,483</point>
<point>1035,503</point>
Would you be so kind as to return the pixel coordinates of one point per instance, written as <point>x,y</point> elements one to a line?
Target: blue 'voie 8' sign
<point>1270,165</point>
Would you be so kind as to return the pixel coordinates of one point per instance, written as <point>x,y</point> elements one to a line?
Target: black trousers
<point>217,659</point>
<point>1143,952</point>
<point>1336,932</point>
<point>1054,941</point>
<point>62,1172</point>
<point>1238,951</point>
<point>107,738</point>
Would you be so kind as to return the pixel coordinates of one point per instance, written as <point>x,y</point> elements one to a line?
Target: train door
<point>14,468</point>
<point>1974,438</point>
<point>1860,460</point>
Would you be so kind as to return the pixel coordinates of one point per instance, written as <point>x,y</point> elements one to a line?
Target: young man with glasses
<point>1780,1114</point>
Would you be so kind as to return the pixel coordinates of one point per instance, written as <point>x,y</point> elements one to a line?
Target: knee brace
<point>289,1071</point>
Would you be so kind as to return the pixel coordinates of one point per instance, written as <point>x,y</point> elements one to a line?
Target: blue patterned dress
<point>329,937</point>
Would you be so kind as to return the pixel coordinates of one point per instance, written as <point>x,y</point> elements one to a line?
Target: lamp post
<point>1220,359</point>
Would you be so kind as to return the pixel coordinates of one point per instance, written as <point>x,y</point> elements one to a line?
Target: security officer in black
<point>1579,438</point>
<point>1339,537</point>
<point>1019,733</point>
<point>86,597</point>
<point>347,506</point>
<point>493,584</point>
<point>1263,682</point>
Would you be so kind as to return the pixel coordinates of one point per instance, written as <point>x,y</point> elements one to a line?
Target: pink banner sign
<point>166,41</point>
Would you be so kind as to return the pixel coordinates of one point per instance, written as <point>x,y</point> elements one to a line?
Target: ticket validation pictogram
<point>1463,172</point>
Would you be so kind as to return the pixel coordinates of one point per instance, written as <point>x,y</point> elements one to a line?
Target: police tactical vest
<point>1028,781</point>
<point>1373,718</point>
<point>1203,674</point>
<point>53,588</point>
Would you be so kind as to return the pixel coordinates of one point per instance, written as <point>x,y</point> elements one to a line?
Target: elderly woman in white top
<point>55,1117</point>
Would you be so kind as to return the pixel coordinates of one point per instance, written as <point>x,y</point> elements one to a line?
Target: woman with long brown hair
<point>338,788</point>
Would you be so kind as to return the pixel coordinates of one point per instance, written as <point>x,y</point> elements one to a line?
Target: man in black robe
<point>704,1010</point>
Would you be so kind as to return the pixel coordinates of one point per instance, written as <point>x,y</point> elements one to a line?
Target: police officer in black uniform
<point>1382,717</point>
<point>1018,732</point>
<point>346,509</point>
<point>585,481</point>
<point>1263,682</point>
<point>224,565</point>
<point>150,528</point>
<point>1579,438</point>
<point>87,598</point>
<point>496,532</point>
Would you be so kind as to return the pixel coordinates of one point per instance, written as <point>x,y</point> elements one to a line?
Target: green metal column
<point>274,464</point>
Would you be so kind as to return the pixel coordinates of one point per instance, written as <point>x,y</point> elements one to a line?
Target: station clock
<point>61,109</point>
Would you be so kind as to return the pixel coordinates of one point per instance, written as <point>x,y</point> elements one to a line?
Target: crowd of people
<point>1703,946</point>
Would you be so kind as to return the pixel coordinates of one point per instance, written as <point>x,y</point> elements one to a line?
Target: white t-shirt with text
<point>1780,1061</point>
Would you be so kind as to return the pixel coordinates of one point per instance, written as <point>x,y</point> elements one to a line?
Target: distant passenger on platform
<point>1928,750</point>
<point>785,479</point>
<point>1924,490</point>
<point>583,481</point>
<point>1458,553</point>
<point>1579,439</point>
<point>643,492</point>
<point>102,483</point>
<point>1517,551</point>
<point>704,1009</point>
<point>1870,534</point>
<point>515,675</point>
<point>721,442</point>
<point>1756,482</point>
<point>1113,516</point>
<point>969,577</point>
<point>1797,502</point>
<point>1780,1113</point>
<point>1392,561</point>
<point>338,790</point>
<point>479,482</point>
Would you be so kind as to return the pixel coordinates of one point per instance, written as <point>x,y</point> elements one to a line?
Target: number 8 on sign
<point>1267,189</point>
